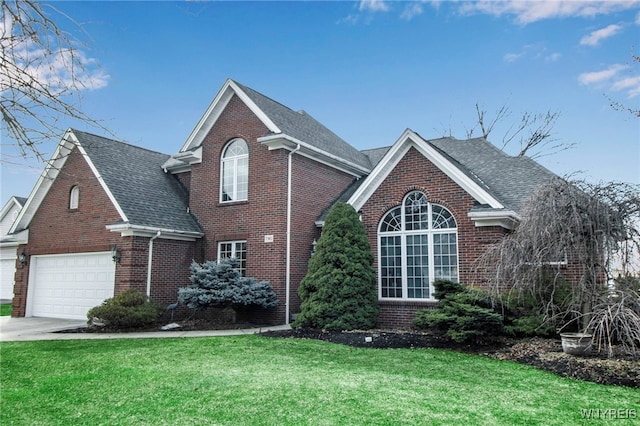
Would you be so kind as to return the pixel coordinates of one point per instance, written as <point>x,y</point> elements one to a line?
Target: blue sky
<point>367,70</point>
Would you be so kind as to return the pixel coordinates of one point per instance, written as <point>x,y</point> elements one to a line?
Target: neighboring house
<point>254,180</point>
<point>8,246</point>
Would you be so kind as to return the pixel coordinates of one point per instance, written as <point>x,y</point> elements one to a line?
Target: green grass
<point>5,309</point>
<point>253,380</point>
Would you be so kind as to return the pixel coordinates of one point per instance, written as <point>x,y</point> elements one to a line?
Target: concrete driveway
<point>34,328</point>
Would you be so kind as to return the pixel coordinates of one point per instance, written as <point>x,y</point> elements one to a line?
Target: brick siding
<point>415,172</point>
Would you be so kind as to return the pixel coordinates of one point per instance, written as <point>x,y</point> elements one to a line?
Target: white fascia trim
<point>8,206</point>
<point>399,149</point>
<point>15,239</point>
<point>216,107</point>
<point>44,182</point>
<point>283,141</point>
<point>507,219</point>
<point>128,230</point>
<point>182,161</point>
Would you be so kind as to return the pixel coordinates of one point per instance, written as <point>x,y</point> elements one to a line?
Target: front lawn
<point>5,309</point>
<point>258,380</point>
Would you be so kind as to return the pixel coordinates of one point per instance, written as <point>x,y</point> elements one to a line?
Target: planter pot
<point>576,343</point>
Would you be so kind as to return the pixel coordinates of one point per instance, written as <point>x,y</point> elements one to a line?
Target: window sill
<point>422,302</point>
<point>232,203</point>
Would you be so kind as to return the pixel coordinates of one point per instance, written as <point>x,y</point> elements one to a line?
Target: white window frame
<point>238,248</point>
<point>403,233</point>
<point>74,197</point>
<point>232,161</point>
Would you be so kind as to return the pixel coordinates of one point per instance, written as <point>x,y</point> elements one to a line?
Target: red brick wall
<point>316,186</point>
<point>170,269</point>
<point>415,172</point>
<point>55,229</point>
<point>265,211</point>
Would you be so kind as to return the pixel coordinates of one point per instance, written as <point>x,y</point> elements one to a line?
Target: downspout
<point>288,271</point>
<point>149,263</point>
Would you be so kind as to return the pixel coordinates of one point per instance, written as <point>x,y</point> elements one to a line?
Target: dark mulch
<point>621,369</point>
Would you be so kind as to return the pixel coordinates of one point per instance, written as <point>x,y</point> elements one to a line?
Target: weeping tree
<point>585,234</point>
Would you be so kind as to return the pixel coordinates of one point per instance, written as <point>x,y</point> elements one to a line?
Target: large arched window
<point>235,171</point>
<point>417,243</point>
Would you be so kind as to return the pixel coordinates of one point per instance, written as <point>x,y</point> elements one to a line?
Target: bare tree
<point>619,106</point>
<point>533,133</point>
<point>575,231</point>
<point>42,75</point>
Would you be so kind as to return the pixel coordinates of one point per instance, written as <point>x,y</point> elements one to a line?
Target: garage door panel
<point>67,286</point>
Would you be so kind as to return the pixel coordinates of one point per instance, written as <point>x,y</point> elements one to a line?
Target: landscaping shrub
<point>339,291</point>
<point>540,312</point>
<point>463,314</point>
<point>129,309</point>
<point>220,285</point>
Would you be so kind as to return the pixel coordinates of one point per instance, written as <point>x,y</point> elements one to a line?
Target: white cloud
<point>554,57</point>
<point>512,57</point>
<point>56,68</point>
<point>595,77</point>
<point>411,11</point>
<point>612,79</point>
<point>631,85</point>
<point>535,51</point>
<point>597,36</point>
<point>528,11</point>
<point>373,6</point>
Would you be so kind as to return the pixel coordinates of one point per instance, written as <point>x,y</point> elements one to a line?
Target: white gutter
<point>149,264</point>
<point>288,273</point>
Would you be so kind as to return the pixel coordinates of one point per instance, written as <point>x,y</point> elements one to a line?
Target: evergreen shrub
<point>339,291</point>
<point>129,309</point>
<point>463,314</point>
<point>220,285</point>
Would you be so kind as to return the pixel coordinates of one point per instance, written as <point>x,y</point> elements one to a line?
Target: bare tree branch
<point>42,75</point>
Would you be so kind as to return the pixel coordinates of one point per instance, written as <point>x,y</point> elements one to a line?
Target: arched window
<point>235,171</point>
<point>74,197</point>
<point>417,243</point>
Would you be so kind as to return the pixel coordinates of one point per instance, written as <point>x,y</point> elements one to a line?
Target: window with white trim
<point>417,244</point>
<point>234,182</point>
<point>74,197</point>
<point>234,250</point>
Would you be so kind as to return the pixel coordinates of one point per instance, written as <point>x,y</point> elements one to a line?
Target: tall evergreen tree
<point>339,290</point>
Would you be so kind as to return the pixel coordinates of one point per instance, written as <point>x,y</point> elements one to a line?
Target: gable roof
<point>501,184</point>
<point>13,206</point>
<point>147,199</point>
<point>13,202</point>
<point>286,128</point>
<point>511,180</point>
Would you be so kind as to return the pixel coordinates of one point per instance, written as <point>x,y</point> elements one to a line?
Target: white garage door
<point>67,286</point>
<point>7,272</point>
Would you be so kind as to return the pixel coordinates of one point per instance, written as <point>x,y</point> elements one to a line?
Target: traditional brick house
<point>254,181</point>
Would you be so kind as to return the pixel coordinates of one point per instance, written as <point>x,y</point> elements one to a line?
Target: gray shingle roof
<point>148,196</point>
<point>302,126</point>
<point>511,180</point>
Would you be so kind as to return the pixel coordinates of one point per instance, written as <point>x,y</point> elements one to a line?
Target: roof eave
<point>129,230</point>
<point>284,141</point>
<point>507,219</point>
